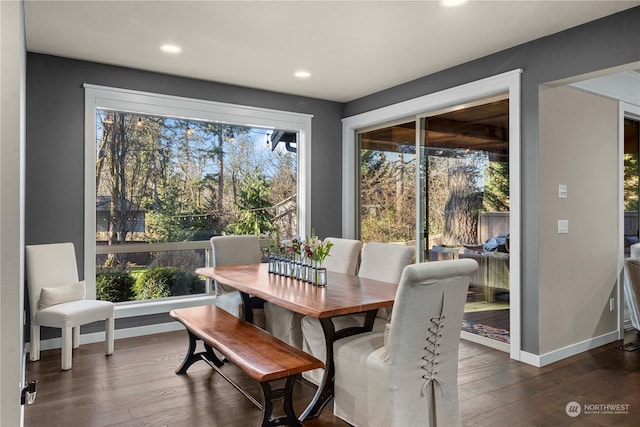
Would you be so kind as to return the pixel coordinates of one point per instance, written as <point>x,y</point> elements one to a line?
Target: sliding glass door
<point>440,182</point>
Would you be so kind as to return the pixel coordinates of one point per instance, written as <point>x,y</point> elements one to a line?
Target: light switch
<point>562,191</point>
<point>563,226</point>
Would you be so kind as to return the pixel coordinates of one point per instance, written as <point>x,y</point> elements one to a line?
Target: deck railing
<point>147,249</point>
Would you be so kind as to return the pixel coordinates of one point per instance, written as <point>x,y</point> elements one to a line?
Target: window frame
<point>102,97</point>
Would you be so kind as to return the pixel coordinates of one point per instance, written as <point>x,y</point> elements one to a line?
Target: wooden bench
<point>259,354</point>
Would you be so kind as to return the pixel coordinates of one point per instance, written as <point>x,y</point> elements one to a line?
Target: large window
<point>170,173</point>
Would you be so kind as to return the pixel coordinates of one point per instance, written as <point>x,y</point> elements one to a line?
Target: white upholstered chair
<point>285,324</point>
<point>632,289</point>
<point>380,261</point>
<point>57,299</point>
<point>408,374</point>
<point>343,256</point>
<point>236,250</point>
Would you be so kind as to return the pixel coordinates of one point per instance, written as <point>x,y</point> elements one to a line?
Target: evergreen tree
<point>496,190</point>
<point>256,216</point>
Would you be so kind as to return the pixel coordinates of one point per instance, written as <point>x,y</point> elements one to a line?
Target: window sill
<point>133,309</point>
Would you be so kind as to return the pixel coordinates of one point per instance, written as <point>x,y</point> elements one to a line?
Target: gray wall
<point>55,140</point>
<point>601,44</point>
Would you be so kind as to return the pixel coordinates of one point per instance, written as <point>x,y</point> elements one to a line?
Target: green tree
<point>496,189</point>
<point>256,215</point>
<point>631,182</point>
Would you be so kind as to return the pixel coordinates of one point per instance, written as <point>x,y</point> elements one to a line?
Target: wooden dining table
<point>343,294</point>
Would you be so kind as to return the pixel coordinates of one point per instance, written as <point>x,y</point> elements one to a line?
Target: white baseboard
<point>119,333</point>
<point>568,351</point>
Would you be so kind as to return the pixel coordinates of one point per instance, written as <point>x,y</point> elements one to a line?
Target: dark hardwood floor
<point>137,386</point>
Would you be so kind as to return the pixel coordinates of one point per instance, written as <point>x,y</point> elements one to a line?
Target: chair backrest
<point>385,262</point>
<point>425,327</point>
<point>49,265</point>
<point>234,249</point>
<point>343,256</point>
<point>632,289</point>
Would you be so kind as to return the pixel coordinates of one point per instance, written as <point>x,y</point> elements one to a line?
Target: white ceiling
<point>352,48</point>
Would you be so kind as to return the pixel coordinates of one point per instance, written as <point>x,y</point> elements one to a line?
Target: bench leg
<point>286,394</point>
<point>192,357</point>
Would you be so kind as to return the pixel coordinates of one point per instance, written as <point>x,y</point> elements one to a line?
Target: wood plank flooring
<point>137,386</point>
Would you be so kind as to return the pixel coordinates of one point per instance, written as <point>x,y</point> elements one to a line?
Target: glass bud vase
<point>299,270</point>
<point>287,268</point>
<point>320,276</point>
<point>282,266</point>
<point>272,264</point>
<point>308,275</point>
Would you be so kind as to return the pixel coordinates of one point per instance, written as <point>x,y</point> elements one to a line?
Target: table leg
<point>325,390</point>
<point>248,310</point>
<point>250,302</point>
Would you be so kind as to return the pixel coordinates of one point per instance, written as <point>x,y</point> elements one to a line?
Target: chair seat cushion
<point>61,294</point>
<point>74,313</point>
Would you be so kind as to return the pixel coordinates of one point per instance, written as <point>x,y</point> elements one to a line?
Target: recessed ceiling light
<point>302,74</point>
<point>450,3</point>
<point>171,48</point>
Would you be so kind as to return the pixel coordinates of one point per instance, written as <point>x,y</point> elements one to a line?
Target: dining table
<point>343,294</point>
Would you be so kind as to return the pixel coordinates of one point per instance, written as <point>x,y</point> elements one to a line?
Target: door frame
<point>625,111</point>
<point>508,82</point>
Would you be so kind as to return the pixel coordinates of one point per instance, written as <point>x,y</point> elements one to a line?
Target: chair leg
<point>67,350</point>
<point>109,326</point>
<point>34,351</point>
<point>76,336</point>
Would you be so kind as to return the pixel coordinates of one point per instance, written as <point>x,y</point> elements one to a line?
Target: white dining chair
<point>286,324</point>
<point>57,299</point>
<point>408,374</point>
<point>380,261</point>
<point>236,250</point>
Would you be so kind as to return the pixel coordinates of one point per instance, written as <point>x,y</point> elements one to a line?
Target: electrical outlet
<point>612,304</point>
